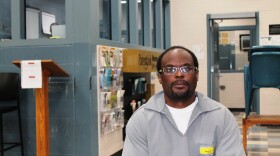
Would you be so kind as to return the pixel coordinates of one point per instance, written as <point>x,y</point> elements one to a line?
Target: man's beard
<point>180,96</point>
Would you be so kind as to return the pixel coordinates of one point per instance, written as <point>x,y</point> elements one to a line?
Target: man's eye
<point>187,68</point>
<point>167,70</point>
<point>171,69</point>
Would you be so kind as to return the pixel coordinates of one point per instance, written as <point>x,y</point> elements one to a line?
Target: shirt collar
<point>157,103</point>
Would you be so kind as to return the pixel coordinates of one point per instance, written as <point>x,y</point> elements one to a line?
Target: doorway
<point>230,37</point>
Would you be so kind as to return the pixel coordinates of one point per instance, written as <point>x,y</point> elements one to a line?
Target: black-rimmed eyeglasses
<point>173,70</point>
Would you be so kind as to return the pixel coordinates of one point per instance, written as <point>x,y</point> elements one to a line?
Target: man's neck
<point>181,103</point>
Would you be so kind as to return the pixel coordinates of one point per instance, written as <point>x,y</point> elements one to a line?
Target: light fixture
<point>124,1</point>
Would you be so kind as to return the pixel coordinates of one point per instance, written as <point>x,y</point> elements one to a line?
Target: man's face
<point>178,86</point>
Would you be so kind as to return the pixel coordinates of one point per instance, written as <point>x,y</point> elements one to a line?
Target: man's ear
<point>197,75</point>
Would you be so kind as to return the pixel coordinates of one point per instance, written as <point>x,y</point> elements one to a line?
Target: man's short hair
<point>195,61</point>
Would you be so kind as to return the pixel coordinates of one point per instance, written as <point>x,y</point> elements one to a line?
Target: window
<point>124,8</point>
<point>232,49</point>
<point>45,19</point>
<point>132,22</point>
<point>140,23</point>
<point>5,20</point>
<point>153,24</point>
<point>105,19</point>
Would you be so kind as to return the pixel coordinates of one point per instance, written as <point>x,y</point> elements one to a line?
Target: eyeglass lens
<point>173,70</point>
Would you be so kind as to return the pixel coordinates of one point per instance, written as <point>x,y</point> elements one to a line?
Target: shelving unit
<point>137,68</point>
<point>110,95</point>
<point>124,76</point>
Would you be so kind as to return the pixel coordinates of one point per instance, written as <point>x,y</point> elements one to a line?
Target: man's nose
<point>179,73</point>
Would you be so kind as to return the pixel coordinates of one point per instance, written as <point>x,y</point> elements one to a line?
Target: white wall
<point>269,101</point>
<point>188,23</point>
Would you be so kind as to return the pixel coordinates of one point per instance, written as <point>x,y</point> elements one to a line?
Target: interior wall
<point>269,101</point>
<point>188,24</point>
<point>62,100</point>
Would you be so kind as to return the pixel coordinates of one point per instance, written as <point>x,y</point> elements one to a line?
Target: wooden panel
<point>51,66</point>
<point>42,118</point>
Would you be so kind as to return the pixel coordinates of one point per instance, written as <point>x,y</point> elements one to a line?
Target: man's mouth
<point>180,84</point>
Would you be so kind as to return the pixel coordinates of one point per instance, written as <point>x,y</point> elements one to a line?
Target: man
<point>180,121</point>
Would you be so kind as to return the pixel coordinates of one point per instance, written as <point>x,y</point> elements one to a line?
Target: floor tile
<point>263,140</point>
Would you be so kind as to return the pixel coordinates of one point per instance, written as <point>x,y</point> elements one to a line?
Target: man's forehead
<point>175,52</point>
<point>181,57</point>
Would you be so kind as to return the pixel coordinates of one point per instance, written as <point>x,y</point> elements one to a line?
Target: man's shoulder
<point>210,104</point>
<point>156,102</point>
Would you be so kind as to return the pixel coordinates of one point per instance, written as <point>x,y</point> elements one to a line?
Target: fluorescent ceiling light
<point>124,2</point>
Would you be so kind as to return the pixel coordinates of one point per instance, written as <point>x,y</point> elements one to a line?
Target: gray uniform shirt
<point>212,130</point>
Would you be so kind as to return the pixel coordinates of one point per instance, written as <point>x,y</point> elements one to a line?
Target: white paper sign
<point>31,74</point>
<point>47,20</point>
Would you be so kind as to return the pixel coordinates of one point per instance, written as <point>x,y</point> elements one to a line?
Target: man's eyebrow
<point>171,65</point>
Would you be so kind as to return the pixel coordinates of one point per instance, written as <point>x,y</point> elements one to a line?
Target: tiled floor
<point>262,140</point>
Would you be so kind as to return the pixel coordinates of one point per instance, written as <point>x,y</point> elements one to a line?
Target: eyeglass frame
<point>176,68</point>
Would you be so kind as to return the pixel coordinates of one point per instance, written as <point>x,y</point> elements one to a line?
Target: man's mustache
<point>180,82</point>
